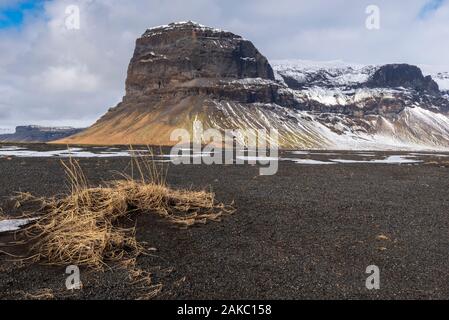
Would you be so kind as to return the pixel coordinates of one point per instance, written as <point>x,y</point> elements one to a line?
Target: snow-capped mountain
<point>338,73</point>
<point>328,74</point>
<point>185,71</point>
<point>374,106</point>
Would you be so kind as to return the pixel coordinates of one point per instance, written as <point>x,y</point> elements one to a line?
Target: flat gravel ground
<point>308,232</point>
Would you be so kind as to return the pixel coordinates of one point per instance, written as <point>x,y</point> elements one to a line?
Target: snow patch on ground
<point>13,225</point>
<point>308,161</point>
<point>388,160</point>
<point>20,152</point>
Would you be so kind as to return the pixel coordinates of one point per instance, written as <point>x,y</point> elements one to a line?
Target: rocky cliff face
<point>403,75</point>
<point>189,54</point>
<point>185,71</point>
<point>185,59</point>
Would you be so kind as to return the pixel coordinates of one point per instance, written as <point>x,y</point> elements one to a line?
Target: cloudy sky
<point>54,75</point>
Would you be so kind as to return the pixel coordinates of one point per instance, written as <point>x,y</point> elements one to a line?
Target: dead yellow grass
<point>85,227</point>
<point>42,294</point>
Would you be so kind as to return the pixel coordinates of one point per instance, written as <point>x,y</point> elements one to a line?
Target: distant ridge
<point>33,133</point>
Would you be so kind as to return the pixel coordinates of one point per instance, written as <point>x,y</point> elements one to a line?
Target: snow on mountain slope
<point>412,129</point>
<point>343,97</point>
<point>328,82</point>
<point>360,116</point>
<point>323,73</point>
<point>336,83</point>
<point>338,73</point>
<point>439,73</point>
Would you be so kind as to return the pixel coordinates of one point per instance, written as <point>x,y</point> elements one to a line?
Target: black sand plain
<point>308,232</point>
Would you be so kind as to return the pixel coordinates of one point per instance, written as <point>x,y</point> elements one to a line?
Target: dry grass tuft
<point>85,227</point>
<point>43,294</point>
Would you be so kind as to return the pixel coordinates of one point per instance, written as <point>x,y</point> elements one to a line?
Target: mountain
<point>184,72</point>
<point>38,134</point>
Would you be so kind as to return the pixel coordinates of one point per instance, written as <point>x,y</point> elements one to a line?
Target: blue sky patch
<point>13,15</point>
<point>429,7</point>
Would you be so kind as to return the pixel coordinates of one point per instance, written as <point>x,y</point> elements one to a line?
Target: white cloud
<point>49,74</point>
<point>67,78</point>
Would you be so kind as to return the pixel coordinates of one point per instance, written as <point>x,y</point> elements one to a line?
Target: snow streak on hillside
<point>413,129</point>
<point>420,125</point>
<point>338,73</point>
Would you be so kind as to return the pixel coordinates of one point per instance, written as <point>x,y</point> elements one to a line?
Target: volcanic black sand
<point>309,232</point>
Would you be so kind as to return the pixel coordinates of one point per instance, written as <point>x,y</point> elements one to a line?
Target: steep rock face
<point>184,72</point>
<point>403,75</point>
<point>191,55</point>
